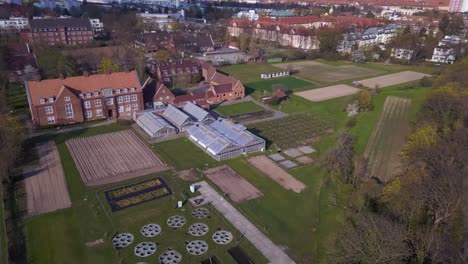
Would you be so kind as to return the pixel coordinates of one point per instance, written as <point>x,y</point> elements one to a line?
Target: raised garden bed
<point>135,194</point>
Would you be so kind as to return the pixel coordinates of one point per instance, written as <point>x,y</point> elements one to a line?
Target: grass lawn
<point>239,109</point>
<point>182,154</point>
<point>248,72</point>
<point>16,98</point>
<point>267,86</point>
<point>60,237</point>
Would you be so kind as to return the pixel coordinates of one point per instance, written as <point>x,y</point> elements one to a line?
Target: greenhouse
<point>154,125</point>
<point>197,113</point>
<point>224,140</point>
<point>177,118</point>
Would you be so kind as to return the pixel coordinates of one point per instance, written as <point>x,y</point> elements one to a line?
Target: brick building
<point>84,98</point>
<point>59,31</point>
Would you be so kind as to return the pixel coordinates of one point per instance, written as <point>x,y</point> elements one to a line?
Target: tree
<point>107,66</point>
<point>339,160</point>
<point>329,40</point>
<point>12,137</point>
<point>370,14</point>
<point>52,62</point>
<point>162,55</point>
<point>365,101</point>
<point>444,23</point>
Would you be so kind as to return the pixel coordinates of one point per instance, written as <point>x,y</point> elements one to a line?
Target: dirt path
<point>276,173</point>
<point>46,187</point>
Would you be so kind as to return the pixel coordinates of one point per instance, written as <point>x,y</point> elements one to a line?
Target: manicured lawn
<point>248,72</point>
<point>239,109</point>
<point>182,154</point>
<point>60,237</point>
<point>267,86</point>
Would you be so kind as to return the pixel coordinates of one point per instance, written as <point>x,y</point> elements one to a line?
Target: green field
<point>248,72</point>
<point>239,109</point>
<point>267,86</point>
<point>60,237</point>
<point>16,98</point>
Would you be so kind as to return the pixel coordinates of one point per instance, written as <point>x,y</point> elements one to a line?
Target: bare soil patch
<point>393,79</point>
<point>233,184</point>
<point>113,157</point>
<point>46,187</point>
<point>276,173</point>
<point>305,160</point>
<point>330,92</point>
<point>188,175</point>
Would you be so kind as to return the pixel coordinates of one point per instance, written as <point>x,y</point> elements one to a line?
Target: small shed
<point>154,125</point>
<point>280,95</point>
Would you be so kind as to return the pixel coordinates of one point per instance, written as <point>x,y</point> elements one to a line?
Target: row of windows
<point>89,114</point>
<point>128,108</point>
<point>120,99</point>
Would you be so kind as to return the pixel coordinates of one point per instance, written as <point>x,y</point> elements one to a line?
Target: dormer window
<point>117,91</point>
<point>81,95</point>
<point>42,101</point>
<point>132,89</point>
<point>88,94</point>
<point>96,93</point>
<point>125,90</point>
<point>51,99</point>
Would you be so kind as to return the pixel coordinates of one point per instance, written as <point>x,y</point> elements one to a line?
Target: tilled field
<point>393,79</point>
<point>322,94</point>
<point>46,188</point>
<point>387,139</point>
<point>113,157</point>
<point>232,183</point>
<point>276,173</point>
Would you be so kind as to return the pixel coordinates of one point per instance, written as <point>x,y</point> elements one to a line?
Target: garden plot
<point>322,94</point>
<point>233,184</point>
<point>113,157</point>
<point>290,131</point>
<point>276,173</point>
<point>393,79</point>
<point>387,139</point>
<point>46,188</point>
<point>305,160</point>
<point>321,72</point>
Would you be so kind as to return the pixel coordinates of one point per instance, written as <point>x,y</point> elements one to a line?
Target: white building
<point>445,51</point>
<point>251,15</point>
<point>458,6</point>
<point>97,26</point>
<point>161,21</point>
<point>14,24</point>
<point>402,54</point>
<point>378,35</point>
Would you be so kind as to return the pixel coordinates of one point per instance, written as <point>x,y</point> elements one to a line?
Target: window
<point>51,99</point>
<point>49,110</point>
<point>87,104</point>
<point>128,108</point>
<point>121,109</point>
<point>126,98</point>
<point>134,106</point>
<point>118,91</point>
<point>69,110</point>
<point>50,120</point>
<point>42,101</point>
<point>89,114</point>
<point>110,101</point>
<point>98,112</point>
<point>97,103</point>
<point>88,94</point>
<point>67,98</point>
<point>132,89</point>
<point>119,99</point>
<point>96,93</point>
<point>134,97</point>
<point>125,90</point>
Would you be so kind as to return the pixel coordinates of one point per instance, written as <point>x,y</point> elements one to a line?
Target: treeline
<point>417,217</point>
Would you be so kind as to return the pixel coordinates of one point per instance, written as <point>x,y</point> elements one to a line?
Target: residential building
<point>160,21</point>
<point>251,15</point>
<point>402,54</point>
<point>14,24</point>
<point>348,43</point>
<point>183,70</point>
<point>83,98</point>
<point>59,31</point>
<point>224,55</point>
<point>378,35</point>
<point>458,6</point>
<point>446,50</point>
<point>182,43</point>
<point>224,139</point>
<point>97,26</point>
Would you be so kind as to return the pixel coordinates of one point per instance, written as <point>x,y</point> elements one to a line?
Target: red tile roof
<point>83,84</point>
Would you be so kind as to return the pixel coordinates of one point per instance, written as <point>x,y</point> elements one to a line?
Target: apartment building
<point>68,100</point>
<point>59,31</point>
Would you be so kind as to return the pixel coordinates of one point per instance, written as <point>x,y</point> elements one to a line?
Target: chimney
<point>61,76</point>
<point>86,73</point>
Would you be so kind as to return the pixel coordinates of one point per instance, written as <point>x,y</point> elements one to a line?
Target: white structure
<point>445,50</point>
<point>251,15</point>
<point>160,21</point>
<point>349,41</point>
<point>377,35</point>
<point>97,26</point>
<point>154,125</point>
<point>402,54</point>
<point>269,75</point>
<point>458,6</point>
<point>14,24</point>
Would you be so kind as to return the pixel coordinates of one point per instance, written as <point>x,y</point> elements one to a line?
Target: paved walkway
<point>272,252</point>
<point>69,129</point>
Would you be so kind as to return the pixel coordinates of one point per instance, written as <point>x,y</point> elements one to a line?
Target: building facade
<point>59,31</point>
<point>84,98</point>
<point>14,24</point>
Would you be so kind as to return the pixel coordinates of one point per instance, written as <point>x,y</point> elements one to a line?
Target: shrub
<point>351,122</point>
<point>426,82</point>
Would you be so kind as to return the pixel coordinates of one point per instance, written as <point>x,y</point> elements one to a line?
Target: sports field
<point>387,138</point>
<point>239,109</point>
<point>326,73</point>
